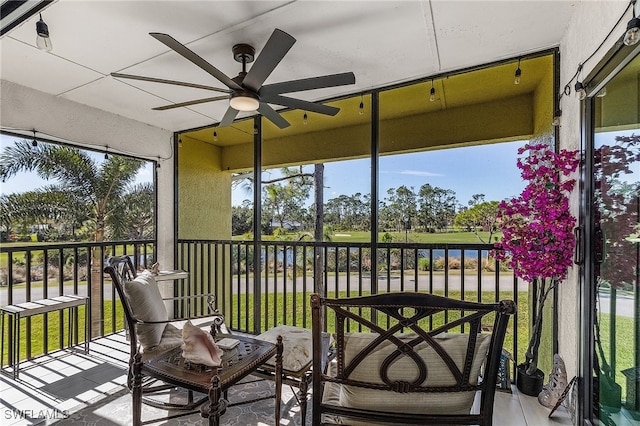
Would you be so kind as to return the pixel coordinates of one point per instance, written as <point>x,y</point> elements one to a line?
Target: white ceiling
<point>382,42</point>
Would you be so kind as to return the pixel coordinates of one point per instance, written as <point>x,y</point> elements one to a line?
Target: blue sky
<point>27,181</point>
<point>488,169</point>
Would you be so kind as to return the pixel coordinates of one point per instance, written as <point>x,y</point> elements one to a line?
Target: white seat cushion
<point>297,346</point>
<point>405,369</point>
<point>171,338</point>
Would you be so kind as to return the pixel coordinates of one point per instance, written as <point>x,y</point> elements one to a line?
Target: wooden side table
<point>237,363</point>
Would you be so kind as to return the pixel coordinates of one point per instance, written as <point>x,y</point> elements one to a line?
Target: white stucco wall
<point>78,124</point>
<point>588,27</point>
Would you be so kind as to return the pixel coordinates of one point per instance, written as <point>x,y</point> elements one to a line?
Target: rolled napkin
<point>199,347</point>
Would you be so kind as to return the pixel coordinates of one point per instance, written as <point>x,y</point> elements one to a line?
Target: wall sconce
<point>518,74</point>
<point>43,41</point>
<point>432,92</point>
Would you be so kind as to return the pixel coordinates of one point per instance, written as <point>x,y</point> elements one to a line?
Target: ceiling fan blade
<point>300,104</point>
<point>229,116</point>
<point>312,83</point>
<point>183,50</point>
<point>274,50</point>
<point>188,103</point>
<point>272,115</point>
<point>174,82</point>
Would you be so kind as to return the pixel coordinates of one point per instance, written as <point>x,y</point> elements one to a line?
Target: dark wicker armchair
<point>407,358</point>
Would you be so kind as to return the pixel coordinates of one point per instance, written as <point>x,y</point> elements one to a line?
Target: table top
<point>237,363</point>
<point>45,305</point>
<point>177,274</point>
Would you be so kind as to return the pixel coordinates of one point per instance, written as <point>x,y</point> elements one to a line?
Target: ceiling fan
<point>246,91</point>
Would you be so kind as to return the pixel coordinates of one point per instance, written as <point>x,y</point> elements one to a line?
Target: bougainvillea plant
<point>537,228</point>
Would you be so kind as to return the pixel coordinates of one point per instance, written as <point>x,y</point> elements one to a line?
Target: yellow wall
<point>504,120</point>
<point>204,192</point>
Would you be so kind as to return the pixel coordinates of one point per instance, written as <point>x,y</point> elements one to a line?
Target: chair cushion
<point>146,304</point>
<point>405,369</point>
<point>297,348</point>
<point>171,338</point>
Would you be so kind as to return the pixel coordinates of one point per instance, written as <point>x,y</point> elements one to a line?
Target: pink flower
<point>537,226</point>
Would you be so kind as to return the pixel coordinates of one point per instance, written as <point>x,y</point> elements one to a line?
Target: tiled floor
<point>56,386</point>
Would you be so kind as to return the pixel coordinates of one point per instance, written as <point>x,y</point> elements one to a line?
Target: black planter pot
<point>529,384</point>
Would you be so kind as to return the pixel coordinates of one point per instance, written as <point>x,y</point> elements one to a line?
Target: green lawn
<point>415,237</point>
<point>624,346</point>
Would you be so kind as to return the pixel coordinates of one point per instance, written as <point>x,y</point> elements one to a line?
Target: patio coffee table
<point>237,363</point>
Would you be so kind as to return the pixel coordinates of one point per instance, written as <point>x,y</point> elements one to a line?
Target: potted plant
<point>538,238</point>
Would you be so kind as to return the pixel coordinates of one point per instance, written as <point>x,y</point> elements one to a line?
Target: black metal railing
<point>291,271</point>
<point>38,271</point>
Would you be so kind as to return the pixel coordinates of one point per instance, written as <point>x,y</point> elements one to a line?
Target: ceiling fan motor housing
<point>243,53</point>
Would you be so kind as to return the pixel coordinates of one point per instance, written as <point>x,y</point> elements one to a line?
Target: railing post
<point>375,165</point>
<point>257,222</point>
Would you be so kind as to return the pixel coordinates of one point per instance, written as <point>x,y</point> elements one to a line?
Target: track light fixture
<point>43,41</point>
<point>106,152</point>
<point>518,74</point>
<point>632,36</point>
<point>432,92</point>
<point>34,143</point>
<point>581,93</point>
<point>361,110</point>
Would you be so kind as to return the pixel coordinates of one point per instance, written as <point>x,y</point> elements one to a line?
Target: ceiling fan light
<point>244,101</point>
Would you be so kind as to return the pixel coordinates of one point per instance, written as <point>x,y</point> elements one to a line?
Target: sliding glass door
<point>614,258</point>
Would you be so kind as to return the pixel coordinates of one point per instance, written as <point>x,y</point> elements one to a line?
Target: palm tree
<point>92,190</point>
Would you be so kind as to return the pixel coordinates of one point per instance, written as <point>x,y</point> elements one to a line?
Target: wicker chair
<point>407,358</point>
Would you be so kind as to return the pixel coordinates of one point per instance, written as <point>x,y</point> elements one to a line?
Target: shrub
<point>423,264</point>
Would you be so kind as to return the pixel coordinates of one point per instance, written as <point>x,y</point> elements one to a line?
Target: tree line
<point>427,209</point>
